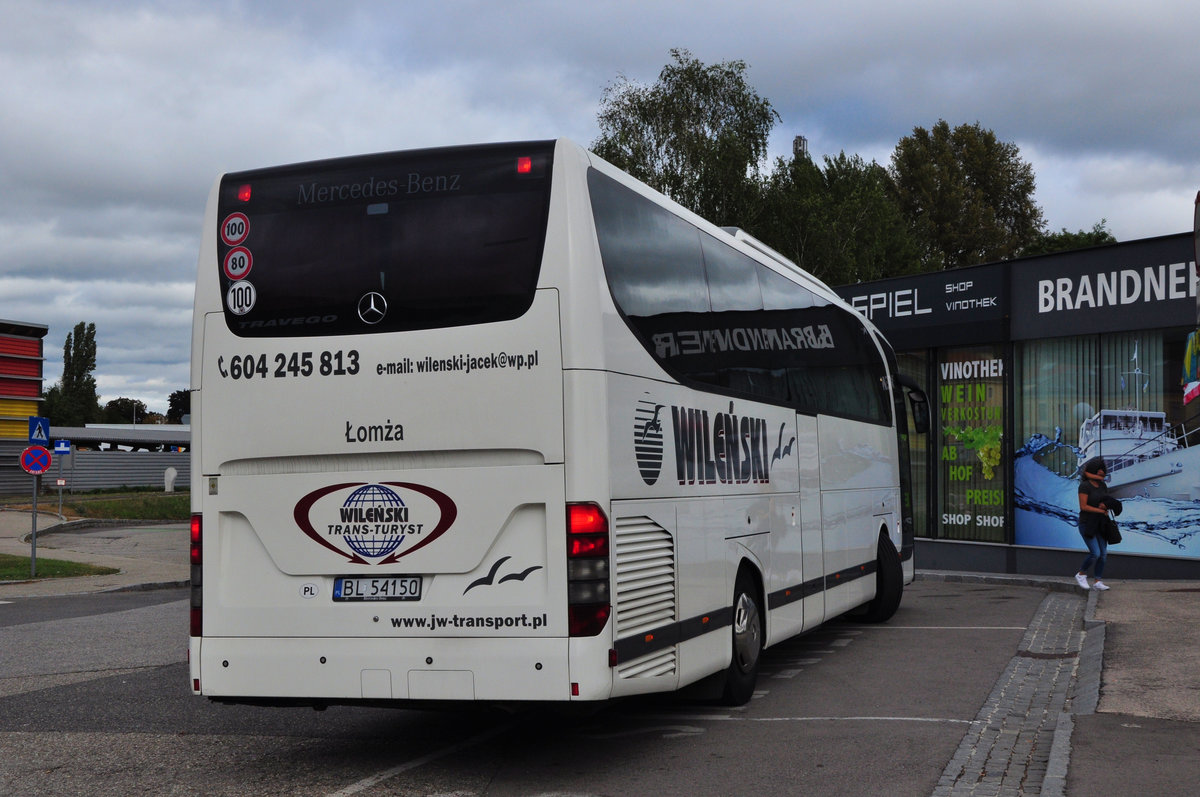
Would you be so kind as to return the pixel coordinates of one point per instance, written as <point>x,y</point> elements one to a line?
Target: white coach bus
<point>501,423</point>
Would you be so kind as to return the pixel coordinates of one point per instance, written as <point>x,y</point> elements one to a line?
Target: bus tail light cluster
<point>588,605</point>
<point>197,623</point>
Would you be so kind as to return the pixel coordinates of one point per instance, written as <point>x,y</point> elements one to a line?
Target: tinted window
<point>652,258</point>
<point>382,243</point>
<point>732,282</point>
<point>842,374</point>
<point>715,316</point>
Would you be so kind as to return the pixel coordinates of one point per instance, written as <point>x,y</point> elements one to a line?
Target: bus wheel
<point>747,642</point>
<point>889,584</point>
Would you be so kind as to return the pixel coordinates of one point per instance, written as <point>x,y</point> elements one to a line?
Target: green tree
<point>840,223</point>
<point>72,401</point>
<point>1065,240</point>
<point>179,404</point>
<point>968,197</point>
<point>698,135</point>
<point>125,410</point>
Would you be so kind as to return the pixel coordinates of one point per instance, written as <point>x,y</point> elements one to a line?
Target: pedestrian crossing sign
<point>39,430</point>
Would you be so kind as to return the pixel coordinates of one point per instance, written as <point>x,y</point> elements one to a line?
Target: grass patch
<point>125,504</point>
<point>137,506</point>
<point>16,568</point>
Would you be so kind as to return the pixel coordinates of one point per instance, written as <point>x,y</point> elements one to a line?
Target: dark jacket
<point>1089,522</point>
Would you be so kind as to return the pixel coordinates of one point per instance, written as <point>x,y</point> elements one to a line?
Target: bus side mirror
<point>920,410</point>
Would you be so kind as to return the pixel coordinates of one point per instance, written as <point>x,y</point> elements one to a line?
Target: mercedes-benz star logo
<point>372,307</point>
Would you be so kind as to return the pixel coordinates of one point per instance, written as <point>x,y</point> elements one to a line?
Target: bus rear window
<point>384,243</point>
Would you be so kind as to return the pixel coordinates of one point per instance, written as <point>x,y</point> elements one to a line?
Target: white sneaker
<point>1100,585</point>
<point>1081,580</point>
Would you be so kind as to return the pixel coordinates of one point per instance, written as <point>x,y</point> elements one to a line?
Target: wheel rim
<point>746,642</point>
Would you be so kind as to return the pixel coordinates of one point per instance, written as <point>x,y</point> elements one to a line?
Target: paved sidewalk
<point>145,557</point>
<point>1010,748</point>
<point>1142,736</point>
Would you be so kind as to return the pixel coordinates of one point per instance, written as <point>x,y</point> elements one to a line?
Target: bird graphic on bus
<point>490,578</point>
<point>781,450</point>
<point>652,425</point>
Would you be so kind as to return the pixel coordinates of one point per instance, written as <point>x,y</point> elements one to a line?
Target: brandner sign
<point>1113,289</point>
<point>1150,284</point>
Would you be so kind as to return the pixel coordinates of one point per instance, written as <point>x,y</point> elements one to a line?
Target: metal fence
<point>94,470</point>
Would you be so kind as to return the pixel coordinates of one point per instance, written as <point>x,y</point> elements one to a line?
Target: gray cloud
<point>116,118</point>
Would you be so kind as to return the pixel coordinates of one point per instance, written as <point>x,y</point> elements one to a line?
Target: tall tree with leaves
<point>840,223</point>
<point>968,196</point>
<point>179,404</point>
<point>72,401</point>
<point>1065,240</point>
<point>125,410</point>
<point>698,135</point>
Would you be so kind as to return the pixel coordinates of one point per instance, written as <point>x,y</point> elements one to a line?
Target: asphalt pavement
<point>1121,702</point>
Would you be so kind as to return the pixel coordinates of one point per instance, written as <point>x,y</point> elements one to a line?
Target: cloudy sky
<point>115,118</point>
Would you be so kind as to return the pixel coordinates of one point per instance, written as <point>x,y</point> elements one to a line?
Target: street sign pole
<point>35,461</point>
<point>33,535</point>
<point>60,485</point>
<point>62,448</point>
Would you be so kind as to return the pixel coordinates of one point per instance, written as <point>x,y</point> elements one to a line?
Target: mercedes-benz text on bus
<point>501,423</point>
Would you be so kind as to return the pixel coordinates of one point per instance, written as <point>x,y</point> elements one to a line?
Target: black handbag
<point>1109,529</point>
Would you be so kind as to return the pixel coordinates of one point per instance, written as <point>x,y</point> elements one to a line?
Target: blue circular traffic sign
<point>35,460</point>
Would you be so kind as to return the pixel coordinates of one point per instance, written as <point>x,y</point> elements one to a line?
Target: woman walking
<point>1093,509</point>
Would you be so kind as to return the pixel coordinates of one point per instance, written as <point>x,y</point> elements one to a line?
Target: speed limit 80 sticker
<point>240,297</point>
<point>238,262</point>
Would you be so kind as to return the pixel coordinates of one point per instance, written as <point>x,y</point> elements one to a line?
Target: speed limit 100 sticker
<point>240,297</point>
<point>238,262</point>
<point>235,229</point>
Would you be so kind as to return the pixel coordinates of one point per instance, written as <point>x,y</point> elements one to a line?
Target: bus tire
<point>747,626</point>
<point>889,584</point>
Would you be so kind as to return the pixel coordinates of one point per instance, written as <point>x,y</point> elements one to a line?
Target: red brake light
<point>196,619</point>
<point>243,193</point>
<point>195,546</point>
<point>524,165</point>
<point>590,545</point>
<point>586,519</point>
<point>587,531</point>
<point>588,607</point>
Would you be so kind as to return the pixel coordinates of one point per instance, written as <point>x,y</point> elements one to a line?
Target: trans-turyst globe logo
<point>372,518</point>
<point>372,523</point>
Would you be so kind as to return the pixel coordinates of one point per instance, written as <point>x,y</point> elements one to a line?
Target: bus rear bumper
<point>336,670</point>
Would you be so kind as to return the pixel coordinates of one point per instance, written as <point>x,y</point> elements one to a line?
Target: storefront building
<point>20,393</point>
<point>1033,366</point>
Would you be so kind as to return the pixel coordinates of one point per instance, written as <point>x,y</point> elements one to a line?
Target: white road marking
<point>379,777</point>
